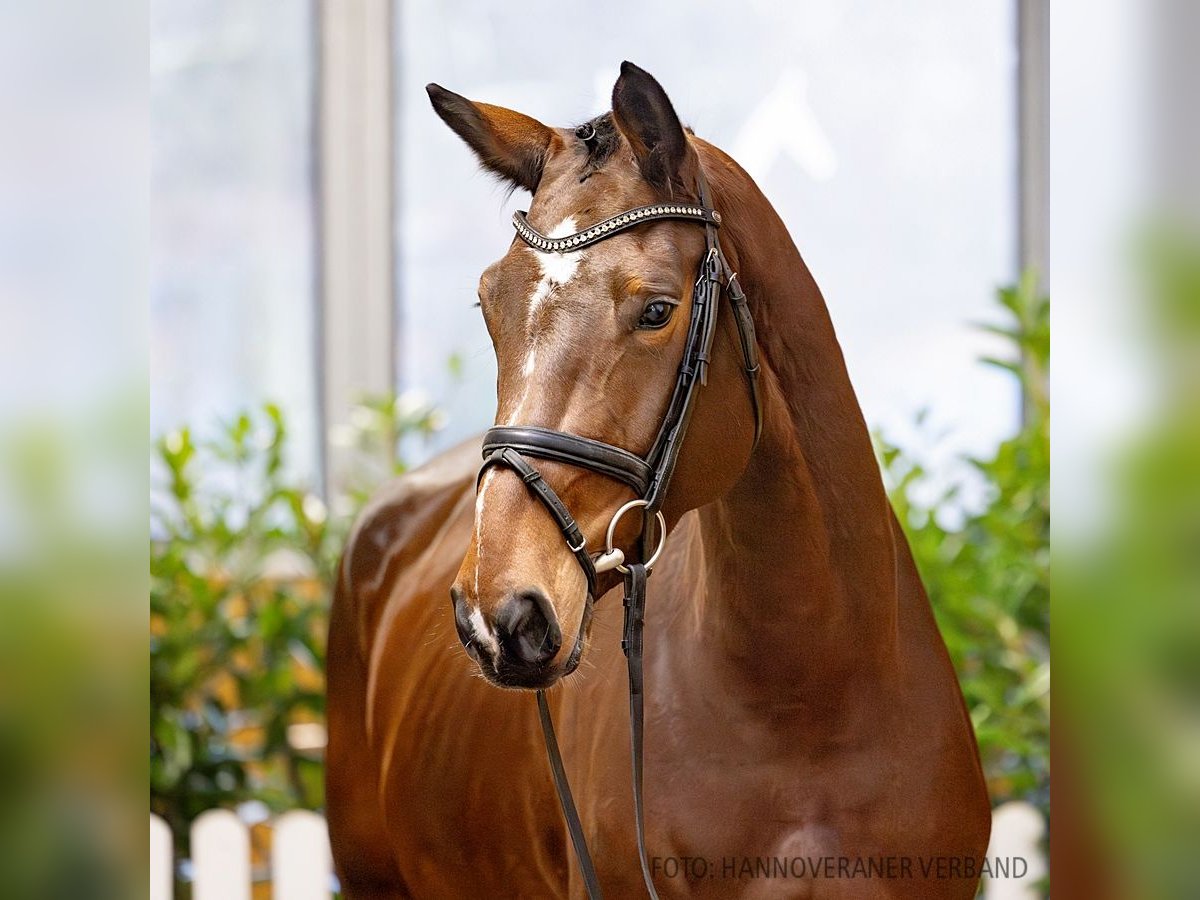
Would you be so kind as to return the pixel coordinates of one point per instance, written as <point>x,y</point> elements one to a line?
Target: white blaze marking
<point>479,503</point>
<point>557,270</point>
<point>483,633</point>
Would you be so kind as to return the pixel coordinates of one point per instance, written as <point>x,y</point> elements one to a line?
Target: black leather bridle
<point>648,477</point>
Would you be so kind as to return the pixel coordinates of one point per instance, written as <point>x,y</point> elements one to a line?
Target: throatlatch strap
<point>567,802</point>
<point>631,643</point>
<point>747,340</point>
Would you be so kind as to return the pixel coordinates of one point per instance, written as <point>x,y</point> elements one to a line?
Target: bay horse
<point>805,732</point>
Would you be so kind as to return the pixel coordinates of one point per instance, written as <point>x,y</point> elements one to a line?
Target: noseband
<point>648,477</point>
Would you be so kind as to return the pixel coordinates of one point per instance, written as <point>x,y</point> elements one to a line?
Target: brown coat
<point>801,706</point>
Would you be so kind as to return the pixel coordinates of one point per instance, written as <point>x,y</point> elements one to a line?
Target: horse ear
<point>510,144</point>
<point>644,114</point>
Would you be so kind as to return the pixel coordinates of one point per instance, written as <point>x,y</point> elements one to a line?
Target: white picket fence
<point>301,868</point>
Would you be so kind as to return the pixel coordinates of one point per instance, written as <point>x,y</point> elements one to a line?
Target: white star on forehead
<point>557,269</point>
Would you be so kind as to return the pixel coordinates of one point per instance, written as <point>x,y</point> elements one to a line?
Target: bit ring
<point>612,558</point>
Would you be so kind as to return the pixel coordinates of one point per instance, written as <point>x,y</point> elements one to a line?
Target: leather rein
<point>648,477</point>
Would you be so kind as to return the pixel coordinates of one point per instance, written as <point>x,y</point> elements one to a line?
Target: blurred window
<point>233,268</point>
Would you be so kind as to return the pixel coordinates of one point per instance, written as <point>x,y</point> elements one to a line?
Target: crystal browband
<point>608,227</point>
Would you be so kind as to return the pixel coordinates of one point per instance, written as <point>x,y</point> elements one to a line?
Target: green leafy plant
<point>987,569</point>
<point>241,556</point>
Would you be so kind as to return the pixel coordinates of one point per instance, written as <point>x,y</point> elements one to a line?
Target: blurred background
<point>318,234</point>
<point>299,268</point>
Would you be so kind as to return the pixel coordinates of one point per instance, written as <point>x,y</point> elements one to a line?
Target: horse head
<point>592,341</point>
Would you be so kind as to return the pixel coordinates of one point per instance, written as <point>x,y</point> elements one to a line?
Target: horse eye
<point>656,314</point>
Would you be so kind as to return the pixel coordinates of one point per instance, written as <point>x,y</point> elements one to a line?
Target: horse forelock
<point>600,138</point>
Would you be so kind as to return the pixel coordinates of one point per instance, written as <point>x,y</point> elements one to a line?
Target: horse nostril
<point>527,628</point>
<point>462,620</point>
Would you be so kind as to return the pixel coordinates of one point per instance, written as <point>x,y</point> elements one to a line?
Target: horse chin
<point>514,678</point>
<point>528,678</point>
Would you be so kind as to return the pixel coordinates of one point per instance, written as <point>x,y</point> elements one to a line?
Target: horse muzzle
<point>517,646</point>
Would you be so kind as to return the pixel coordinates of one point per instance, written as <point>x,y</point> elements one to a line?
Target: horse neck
<point>800,562</point>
